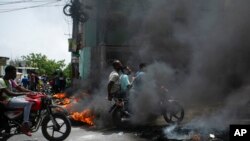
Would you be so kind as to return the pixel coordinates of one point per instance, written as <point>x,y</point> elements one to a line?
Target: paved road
<point>151,132</point>
<point>87,134</point>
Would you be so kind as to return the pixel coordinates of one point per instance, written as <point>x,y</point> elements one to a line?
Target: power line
<point>28,7</point>
<point>23,1</point>
<point>56,5</point>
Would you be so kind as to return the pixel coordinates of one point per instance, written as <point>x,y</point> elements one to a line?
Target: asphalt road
<point>84,133</point>
<point>152,132</point>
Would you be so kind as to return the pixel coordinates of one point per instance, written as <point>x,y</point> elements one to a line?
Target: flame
<point>68,107</point>
<point>84,116</point>
<point>59,95</point>
<point>66,101</point>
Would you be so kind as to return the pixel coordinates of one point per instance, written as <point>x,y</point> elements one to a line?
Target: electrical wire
<point>57,5</point>
<point>23,1</point>
<point>28,7</point>
<point>66,18</point>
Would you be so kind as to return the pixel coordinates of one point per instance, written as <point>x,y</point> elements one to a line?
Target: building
<point>24,71</point>
<point>101,38</point>
<point>107,32</point>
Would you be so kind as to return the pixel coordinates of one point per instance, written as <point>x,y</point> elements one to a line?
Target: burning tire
<point>174,113</point>
<point>63,127</point>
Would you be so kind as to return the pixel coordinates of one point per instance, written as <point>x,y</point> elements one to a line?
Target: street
<point>80,134</point>
<point>154,131</point>
<point>86,133</point>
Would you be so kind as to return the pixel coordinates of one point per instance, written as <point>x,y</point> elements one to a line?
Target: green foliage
<point>44,65</point>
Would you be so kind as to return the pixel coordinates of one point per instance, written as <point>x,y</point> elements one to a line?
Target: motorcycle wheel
<point>50,133</point>
<point>174,112</point>
<point>117,116</point>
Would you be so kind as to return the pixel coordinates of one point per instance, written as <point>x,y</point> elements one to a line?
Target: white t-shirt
<point>114,77</point>
<point>3,85</point>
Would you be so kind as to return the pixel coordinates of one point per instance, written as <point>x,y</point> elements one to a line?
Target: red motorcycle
<point>53,119</point>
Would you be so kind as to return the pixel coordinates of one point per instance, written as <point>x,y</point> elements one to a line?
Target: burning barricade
<point>69,103</point>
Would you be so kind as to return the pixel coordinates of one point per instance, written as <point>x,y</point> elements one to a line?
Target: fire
<point>84,116</point>
<point>66,101</point>
<point>68,106</point>
<point>59,95</point>
<point>61,99</point>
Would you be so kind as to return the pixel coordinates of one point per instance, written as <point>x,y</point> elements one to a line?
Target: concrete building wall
<point>105,36</point>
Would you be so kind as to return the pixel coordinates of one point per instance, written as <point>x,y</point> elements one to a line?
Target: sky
<point>42,30</point>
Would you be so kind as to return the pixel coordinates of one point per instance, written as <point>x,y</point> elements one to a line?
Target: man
<point>25,82</point>
<point>10,99</point>
<point>125,82</point>
<point>62,82</point>
<point>125,87</point>
<point>114,80</point>
<point>139,77</point>
<point>33,81</point>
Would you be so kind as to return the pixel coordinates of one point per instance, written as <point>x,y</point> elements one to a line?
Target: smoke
<point>205,42</point>
<point>95,100</point>
<point>198,49</point>
<point>146,102</point>
<point>171,133</point>
<point>215,67</point>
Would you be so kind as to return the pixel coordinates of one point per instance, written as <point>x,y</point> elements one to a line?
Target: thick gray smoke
<point>199,49</point>
<point>204,42</point>
<point>146,102</point>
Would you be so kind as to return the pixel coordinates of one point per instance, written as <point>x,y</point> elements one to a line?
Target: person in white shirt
<point>114,80</point>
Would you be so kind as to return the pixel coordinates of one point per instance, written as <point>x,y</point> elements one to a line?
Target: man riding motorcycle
<point>11,99</point>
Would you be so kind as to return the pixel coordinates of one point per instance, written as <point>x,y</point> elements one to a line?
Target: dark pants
<point>123,96</point>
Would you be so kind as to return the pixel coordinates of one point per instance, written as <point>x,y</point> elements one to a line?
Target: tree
<point>44,65</point>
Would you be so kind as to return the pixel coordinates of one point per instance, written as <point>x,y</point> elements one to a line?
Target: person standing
<point>62,82</point>
<point>33,81</point>
<point>125,82</point>
<point>114,80</point>
<point>125,87</point>
<point>138,79</point>
<point>25,82</point>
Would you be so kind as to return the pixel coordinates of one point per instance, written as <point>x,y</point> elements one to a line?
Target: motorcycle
<point>169,108</point>
<point>54,122</point>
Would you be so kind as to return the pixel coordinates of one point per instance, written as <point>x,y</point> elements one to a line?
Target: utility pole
<point>74,55</point>
<point>75,10</point>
